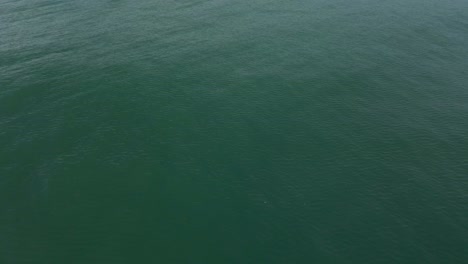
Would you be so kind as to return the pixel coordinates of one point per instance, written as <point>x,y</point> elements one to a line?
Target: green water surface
<point>233,132</point>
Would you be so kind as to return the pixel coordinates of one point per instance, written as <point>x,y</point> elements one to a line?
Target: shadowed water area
<point>228,132</point>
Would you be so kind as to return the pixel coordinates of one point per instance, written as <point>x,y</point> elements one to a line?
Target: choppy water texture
<point>216,131</point>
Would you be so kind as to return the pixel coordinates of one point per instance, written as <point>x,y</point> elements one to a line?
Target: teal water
<point>214,131</point>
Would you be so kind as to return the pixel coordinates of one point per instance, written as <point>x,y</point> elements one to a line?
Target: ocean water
<point>215,131</point>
